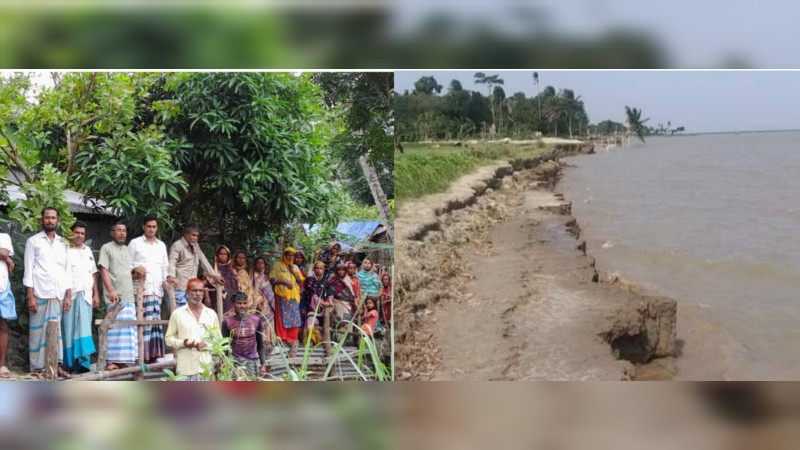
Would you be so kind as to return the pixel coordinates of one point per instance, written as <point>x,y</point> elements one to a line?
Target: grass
<point>427,169</point>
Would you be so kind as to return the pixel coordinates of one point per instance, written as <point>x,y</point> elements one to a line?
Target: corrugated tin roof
<point>75,201</point>
<point>362,231</point>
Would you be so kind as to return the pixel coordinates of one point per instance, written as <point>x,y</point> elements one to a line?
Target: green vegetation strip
<point>424,170</point>
<point>416,175</point>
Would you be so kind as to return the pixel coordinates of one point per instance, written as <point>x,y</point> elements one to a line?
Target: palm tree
<point>557,108</point>
<point>573,104</point>
<point>635,123</point>
<point>490,81</point>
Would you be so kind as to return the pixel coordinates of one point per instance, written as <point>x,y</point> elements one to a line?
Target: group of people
<point>62,283</point>
<point>292,298</point>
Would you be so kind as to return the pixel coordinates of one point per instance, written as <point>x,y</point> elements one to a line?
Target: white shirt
<point>153,256</point>
<point>82,270</point>
<point>5,242</point>
<point>46,266</point>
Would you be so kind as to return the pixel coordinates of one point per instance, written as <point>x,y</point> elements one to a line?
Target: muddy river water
<point>713,221</point>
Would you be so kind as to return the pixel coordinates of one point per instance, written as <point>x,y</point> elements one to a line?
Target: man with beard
<point>188,327</point>
<point>115,271</point>
<point>185,258</point>
<point>77,324</point>
<point>150,265</point>
<point>48,287</point>
<point>247,336</point>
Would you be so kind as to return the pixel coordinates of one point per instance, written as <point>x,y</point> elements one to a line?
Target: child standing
<point>369,318</point>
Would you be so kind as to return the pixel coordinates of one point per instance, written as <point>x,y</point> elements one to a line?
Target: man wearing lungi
<point>48,287</point>
<point>115,271</point>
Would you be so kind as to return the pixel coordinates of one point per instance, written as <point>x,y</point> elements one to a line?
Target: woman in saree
<point>300,262</point>
<point>262,289</point>
<point>223,266</point>
<point>386,299</point>
<point>264,298</point>
<point>286,278</point>
<point>341,296</point>
<point>313,294</point>
<point>330,258</point>
<point>370,281</point>
<point>243,281</point>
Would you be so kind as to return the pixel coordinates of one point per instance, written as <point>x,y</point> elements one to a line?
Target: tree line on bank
<point>245,154</point>
<point>431,112</point>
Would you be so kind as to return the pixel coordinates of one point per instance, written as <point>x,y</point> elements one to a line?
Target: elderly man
<point>8,305</point>
<point>188,327</point>
<point>115,271</point>
<point>77,323</point>
<point>185,258</point>
<point>150,265</point>
<point>47,286</point>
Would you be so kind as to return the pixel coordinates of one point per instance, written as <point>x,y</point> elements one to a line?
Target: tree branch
<point>12,155</point>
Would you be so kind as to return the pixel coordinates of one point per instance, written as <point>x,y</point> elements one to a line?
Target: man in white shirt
<point>8,305</point>
<point>150,265</point>
<point>47,286</point>
<point>77,323</point>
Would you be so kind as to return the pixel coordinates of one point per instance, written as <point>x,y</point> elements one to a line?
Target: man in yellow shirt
<point>187,328</point>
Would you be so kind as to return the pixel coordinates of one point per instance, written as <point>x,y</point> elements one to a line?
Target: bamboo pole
<point>53,332</point>
<point>170,290</point>
<point>140,318</point>
<point>102,346</point>
<point>357,320</point>
<point>220,311</point>
<point>140,322</point>
<point>326,331</point>
<point>105,374</point>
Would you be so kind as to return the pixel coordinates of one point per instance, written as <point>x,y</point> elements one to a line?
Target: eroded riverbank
<point>494,284</point>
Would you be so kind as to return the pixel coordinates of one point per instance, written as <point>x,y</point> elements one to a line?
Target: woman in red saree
<point>286,279</point>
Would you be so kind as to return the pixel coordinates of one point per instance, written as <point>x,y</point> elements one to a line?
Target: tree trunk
<point>102,346</point>
<point>377,194</point>
<point>570,126</point>
<point>326,331</point>
<point>169,289</point>
<point>51,351</point>
<point>140,328</point>
<point>220,298</point>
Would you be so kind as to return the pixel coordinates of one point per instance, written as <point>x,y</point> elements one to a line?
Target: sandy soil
<point>524,317</point>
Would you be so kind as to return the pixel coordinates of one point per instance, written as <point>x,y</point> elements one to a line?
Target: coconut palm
<point>557,108</point>
<point>635,123</point>
<point>538,99</point>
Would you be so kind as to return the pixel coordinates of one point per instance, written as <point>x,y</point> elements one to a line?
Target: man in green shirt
<point>115,271</point>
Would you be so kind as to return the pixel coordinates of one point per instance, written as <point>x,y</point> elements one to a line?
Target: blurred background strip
<point>398,34</point>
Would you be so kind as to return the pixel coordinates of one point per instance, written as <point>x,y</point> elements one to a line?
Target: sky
<point>701,101</point>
